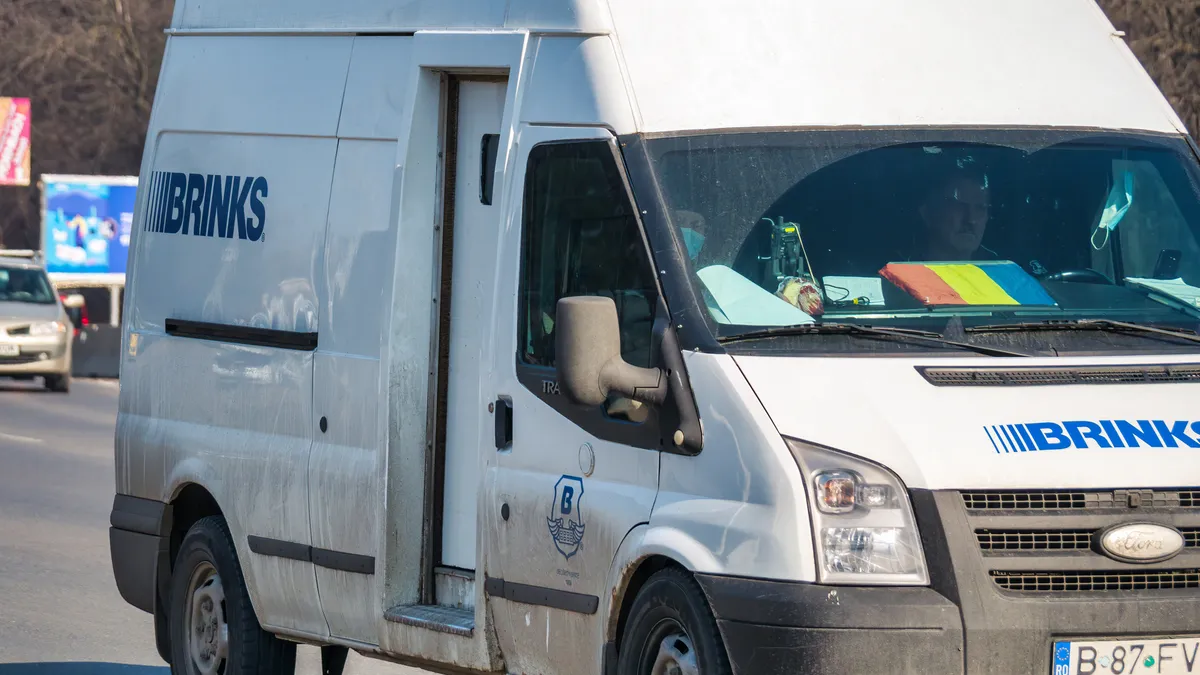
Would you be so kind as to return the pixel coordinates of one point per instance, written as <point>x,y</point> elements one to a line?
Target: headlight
<point>48,328</point>
<point>863,523</point>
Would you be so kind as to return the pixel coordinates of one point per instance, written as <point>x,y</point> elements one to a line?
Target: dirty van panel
<point>232,231</point>
<point>217,383</point>
<point>576,479</point>
<point>348,452</point>
<point>266,85</point>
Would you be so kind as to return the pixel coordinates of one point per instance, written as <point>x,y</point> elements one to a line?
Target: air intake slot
<point>983,376</point>
<point>1091,582</point>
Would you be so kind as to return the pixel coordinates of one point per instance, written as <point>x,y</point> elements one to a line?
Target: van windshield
<point>911,228</point>
<point>24,284</point>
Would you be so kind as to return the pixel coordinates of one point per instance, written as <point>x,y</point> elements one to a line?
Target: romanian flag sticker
<point>977,283</point>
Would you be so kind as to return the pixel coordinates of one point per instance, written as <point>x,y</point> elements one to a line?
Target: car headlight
<point>863,522</point>
<point>48,328</point>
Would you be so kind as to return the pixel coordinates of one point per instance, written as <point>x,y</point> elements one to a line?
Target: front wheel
<point>213,627</point>
<point>671,630</point>
<point>60,384</point>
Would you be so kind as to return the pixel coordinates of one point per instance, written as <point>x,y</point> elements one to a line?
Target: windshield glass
<point>915,227</point>
<point>21,284</point>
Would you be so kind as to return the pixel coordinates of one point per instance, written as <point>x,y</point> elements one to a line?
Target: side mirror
<point>73,301</point>
<point>588,351</point>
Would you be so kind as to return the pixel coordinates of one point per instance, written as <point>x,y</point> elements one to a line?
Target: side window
<point>581,237</point>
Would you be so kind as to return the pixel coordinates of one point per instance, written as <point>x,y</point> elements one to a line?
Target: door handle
<point>504,423</point>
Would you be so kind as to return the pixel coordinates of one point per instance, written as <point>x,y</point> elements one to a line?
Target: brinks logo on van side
<point>1041,436</point>
<point>207,206</point>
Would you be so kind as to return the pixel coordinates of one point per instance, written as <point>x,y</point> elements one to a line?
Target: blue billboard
<point>86,223</point>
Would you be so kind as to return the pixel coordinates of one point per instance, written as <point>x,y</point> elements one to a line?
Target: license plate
<point>10,350</point>
<point>1160,656</point>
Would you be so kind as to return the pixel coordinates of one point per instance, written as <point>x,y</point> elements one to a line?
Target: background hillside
<point>90,67</point>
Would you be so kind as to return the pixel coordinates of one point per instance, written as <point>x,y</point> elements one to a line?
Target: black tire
<point>60,384</point>
<point>669,605</point>
<point>208,549</point>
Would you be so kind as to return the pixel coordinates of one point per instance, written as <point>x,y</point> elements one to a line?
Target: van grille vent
<point>1030,377</point>
<point>1070,500</point>
<point>1090,582</point>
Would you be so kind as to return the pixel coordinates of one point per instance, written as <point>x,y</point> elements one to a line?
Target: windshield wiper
<point>873,331</point>
<point>1088,324</point>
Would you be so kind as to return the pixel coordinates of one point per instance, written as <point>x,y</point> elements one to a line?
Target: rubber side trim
<point>134,514</point>
<point>322,557</point>
<point>541,596</point>
<point>244,335</point>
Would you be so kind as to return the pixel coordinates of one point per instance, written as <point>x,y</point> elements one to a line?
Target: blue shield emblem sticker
<point>566,515</point>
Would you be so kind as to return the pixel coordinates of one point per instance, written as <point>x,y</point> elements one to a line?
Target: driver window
<point>581,237</point>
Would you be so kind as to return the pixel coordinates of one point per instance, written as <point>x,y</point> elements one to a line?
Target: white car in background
<point>35,330</point>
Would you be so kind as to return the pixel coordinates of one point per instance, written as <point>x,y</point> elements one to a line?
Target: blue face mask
<point>693,240</point>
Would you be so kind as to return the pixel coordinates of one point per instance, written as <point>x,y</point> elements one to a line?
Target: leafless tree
<point>90,68</point>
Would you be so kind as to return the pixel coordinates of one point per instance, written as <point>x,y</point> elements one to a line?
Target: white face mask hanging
<point>1120,198</point>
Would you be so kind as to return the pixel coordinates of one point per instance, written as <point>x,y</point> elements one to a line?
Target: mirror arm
<point>645,385</point>
<point>689,437</point>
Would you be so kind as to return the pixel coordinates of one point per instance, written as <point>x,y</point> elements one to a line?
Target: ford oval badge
<point>1141,542</point>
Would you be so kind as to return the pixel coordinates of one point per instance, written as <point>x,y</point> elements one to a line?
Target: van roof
<point>713,64</point>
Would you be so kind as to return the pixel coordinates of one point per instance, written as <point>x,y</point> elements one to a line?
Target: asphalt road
<point>60,613</point>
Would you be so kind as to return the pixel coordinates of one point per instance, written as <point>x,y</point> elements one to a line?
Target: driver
<point>954,214</point>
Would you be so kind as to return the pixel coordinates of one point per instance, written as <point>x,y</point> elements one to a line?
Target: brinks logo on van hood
<point>208,205</point>
<point>1084,434</point>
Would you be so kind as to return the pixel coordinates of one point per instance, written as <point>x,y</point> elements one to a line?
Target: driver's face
<point>956,217</point>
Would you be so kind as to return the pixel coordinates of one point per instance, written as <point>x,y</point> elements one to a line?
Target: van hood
<point>986,437</point>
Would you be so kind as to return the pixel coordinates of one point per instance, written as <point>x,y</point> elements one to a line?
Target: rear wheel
<point>213,627</point>
<point>58,383</point>
<point>671,630</point>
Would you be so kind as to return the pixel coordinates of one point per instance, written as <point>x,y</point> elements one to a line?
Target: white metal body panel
<point>411,314</point>
<point>934,437</point>
<point>530,477</point>
<point>877,62</point>
<point>379,88</point>
<point>476,229</point>
<point>739,507</point>
<point>389,16</point>
<point>572,83</point>
<point>348,458</point>
<point>195,405</point>
<point>272,85</point>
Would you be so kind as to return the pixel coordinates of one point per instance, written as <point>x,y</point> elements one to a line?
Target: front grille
<point>1090,500</point>
<point>1056,540</point>
<point>1090,582</point>
<point>1025,500</point>
<point>1030,541</point>
<point>17,330</point>
<point>17,360</point>
<point>1029,377</point>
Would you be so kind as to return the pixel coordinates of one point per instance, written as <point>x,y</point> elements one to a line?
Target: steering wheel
<point>1083,276</point>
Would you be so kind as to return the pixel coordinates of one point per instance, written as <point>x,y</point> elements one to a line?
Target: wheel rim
<point>675,653</point>
<point>207,630</point>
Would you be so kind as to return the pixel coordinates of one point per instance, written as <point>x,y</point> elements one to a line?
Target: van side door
<point>568,482</point>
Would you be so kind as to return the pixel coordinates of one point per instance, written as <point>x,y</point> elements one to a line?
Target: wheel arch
<point>645,551</point>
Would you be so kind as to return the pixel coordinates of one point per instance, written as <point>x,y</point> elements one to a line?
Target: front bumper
<point>37,357</point>
<point>968,621</point>
<point>772,627</point>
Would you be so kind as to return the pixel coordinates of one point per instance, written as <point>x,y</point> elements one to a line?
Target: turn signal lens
<point>835,491</point>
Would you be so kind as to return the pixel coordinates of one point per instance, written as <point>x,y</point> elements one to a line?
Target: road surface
<point>60,613</point>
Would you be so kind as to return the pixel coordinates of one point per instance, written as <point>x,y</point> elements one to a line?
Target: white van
<point>676,337</point>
